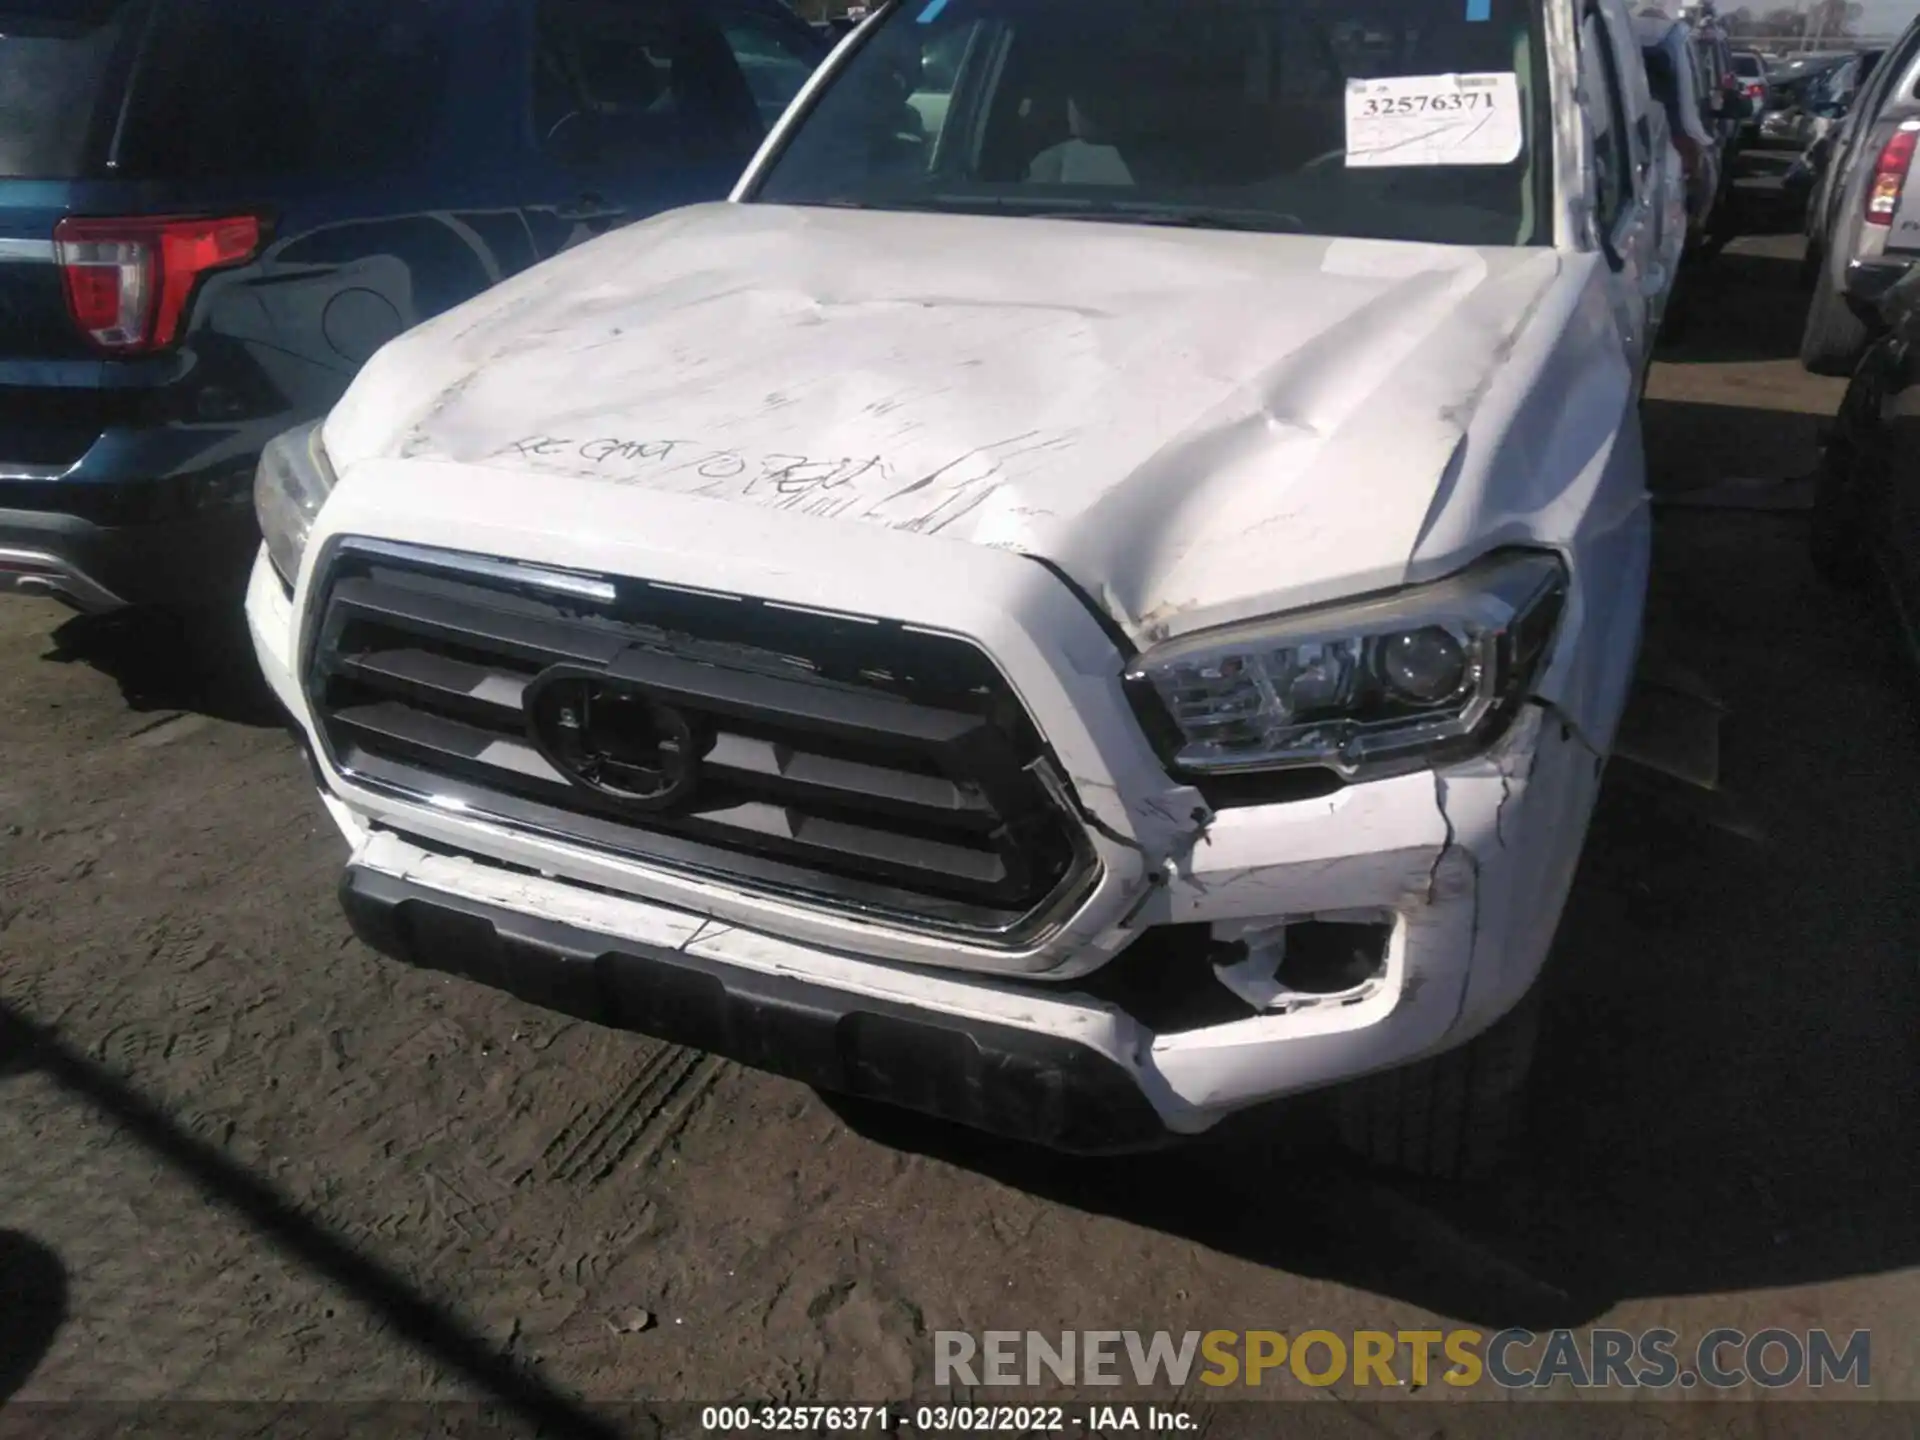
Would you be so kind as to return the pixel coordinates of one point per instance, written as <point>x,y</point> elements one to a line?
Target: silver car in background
<point>1863,220</point>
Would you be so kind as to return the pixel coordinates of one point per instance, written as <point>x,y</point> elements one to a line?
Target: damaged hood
<point>1171,417</point>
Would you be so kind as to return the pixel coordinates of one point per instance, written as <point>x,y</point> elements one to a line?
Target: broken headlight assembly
<point>1365,688</point>
<point>289,487</point>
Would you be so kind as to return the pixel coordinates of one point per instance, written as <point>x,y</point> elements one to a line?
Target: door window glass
<point>56,84</point>
<point>775,60</point>
<point>932,97</point>
<point>236,87</point>
<point>624,81</point>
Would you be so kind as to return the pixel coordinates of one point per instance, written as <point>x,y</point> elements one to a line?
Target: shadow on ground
<point>202,663</point>
<point>1747,303</point>
<point>33,1307</point>
<point>420,1322</point>
<point>1743,305</point>
<point>1728,399</point>
<point>33,1282</point>
<point>1694,444</point>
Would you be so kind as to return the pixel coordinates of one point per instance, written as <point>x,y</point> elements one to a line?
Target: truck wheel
<point>1453,1116</point>
<point>1835,337</point>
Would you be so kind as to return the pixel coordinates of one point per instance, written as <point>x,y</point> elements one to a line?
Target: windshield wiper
<point>1185,217</point>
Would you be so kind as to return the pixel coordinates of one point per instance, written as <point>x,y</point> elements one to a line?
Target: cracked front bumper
<point>1467,867</point>
<point>1025,1083</point>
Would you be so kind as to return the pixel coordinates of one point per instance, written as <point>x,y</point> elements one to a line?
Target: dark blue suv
<point>212,212</point>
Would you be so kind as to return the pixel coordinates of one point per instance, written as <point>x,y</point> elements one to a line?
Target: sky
<point>1885,17</point>
<point>1881,18</point>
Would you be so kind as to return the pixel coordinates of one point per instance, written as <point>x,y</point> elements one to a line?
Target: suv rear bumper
<point>1024,1084</point>
<point>180,563</point>
<point>1867,282</point>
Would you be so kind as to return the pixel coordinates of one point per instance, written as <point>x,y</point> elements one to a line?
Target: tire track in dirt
<point>643,1117</point>
<point>33,888</point>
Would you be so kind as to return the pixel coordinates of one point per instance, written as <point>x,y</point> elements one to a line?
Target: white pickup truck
<point>1081,622</point>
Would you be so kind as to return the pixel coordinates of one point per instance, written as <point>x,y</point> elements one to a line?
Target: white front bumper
<point>1471,865</point>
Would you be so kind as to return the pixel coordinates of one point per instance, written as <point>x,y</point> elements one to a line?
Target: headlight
<point>1366,688</point>
<point>292,483</point>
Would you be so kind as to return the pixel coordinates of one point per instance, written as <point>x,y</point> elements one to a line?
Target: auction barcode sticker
<point>1434,120</point>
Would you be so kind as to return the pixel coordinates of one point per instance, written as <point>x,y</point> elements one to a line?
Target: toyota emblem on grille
<point>615,738</point>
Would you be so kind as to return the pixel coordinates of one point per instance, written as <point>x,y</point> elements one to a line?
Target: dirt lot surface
<point>242,1157</point>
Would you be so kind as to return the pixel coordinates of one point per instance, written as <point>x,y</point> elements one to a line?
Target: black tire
<point>1835,540</point>
<point>1454,1116</point>
<point>1835,338</point>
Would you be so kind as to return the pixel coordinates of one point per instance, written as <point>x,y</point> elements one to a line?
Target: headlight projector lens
<point>1425,666</point>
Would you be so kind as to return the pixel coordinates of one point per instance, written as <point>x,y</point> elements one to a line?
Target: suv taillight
<point>1890,174</point>
<point>128,282</point>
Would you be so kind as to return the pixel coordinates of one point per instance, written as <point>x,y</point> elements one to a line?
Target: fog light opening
<point>1325,957</point>
<point>1285,966</point>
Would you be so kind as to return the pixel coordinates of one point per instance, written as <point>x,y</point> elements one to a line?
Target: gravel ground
<point>241,1157</point>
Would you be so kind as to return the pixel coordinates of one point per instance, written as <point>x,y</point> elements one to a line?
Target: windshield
<point>56,87</point>
<point>1389,119</point>
<point>1833,87</point>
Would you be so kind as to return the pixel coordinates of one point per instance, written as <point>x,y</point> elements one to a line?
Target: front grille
<point>851,763</point>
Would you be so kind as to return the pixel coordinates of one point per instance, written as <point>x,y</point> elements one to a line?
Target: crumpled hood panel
<point>1164,415</point>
